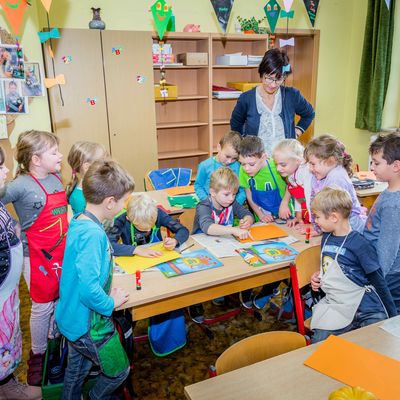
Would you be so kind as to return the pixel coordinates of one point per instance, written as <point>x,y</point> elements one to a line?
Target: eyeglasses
<point>270,79</point>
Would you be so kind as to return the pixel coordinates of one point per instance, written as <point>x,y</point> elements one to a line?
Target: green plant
<point>252,24</point>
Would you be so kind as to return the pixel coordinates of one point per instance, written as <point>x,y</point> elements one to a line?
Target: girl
<point>10,334</point>
<point>39,200</point>
<point>288,157</point>
<point>331,165</point>
<point>80,157</point>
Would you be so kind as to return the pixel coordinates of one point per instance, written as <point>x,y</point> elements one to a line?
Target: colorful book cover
<point>275,252</point>
<point>194,261</point>
<point>251,257</point>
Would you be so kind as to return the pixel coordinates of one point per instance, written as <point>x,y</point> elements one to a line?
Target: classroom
<point>199,199</point>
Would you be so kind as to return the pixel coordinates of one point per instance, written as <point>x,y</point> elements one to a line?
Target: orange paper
<point>58,80</point>
<point>264,232</point>
<point>14,11</point>
<point>47,4</point>
<point>365,175</point>
<point>177,190</point>
<point>355,365</point>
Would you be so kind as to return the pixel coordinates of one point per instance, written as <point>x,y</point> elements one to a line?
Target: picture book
<point>264,232</point>
<point>183,201</point>
<point>267,253</point>
<point>194,261</point>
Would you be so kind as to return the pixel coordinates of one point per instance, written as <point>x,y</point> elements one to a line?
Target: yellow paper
<point>355,365</point>
<point>131,264</point>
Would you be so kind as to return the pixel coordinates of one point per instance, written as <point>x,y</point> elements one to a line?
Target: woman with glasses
<point>268,110</point>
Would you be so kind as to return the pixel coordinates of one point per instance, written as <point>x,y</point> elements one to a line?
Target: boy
<point>355,290</point>
<point>264,186</point>
<point>214,216</point>
<point>227,156</point>
<point>14,101</point>
<point>140,224</point>
<point>83,313</point>
<point>382,227</point>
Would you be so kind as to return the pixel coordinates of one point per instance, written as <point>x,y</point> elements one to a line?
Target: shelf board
<point>168,155</point>
<point>183,98</point>
<point>235,66</point>
<point>233,98</point>
<point>182,124</point>
<point>221,122</point>
<point>166,66</point>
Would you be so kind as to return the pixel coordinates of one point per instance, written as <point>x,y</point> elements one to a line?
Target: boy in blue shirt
<point>383,224</point>
<point>227,156</point>
<point>86,303</point>
<point>350,277</point>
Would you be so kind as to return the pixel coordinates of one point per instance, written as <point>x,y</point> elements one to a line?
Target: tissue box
<point>243,86</point>
<point>170,94</point>
<point>232,59</point>
<point>193,58</point>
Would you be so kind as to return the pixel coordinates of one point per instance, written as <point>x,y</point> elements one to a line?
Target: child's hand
<point>246,222</point>
<point>147,252</point>
<point>291,223</point>
<point>315,281</point>
<point>240,233</point>
<point>266,218</point>
<point>170,243</point>
<point>119,295</point>
<point>284,211</point>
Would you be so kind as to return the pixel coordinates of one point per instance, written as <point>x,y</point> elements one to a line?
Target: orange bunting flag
<point>51,54</point>
<point>58,80</point>
<point>14,12</point>
<point>47,4</point>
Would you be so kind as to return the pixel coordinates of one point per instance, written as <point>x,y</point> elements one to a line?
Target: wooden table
<point>285,377</point>
<point>367,197</point>
<point>160,294</point>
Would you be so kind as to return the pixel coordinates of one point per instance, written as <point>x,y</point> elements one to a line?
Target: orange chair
<point>306,263</point>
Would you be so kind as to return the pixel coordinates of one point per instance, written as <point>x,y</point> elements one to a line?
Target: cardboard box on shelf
<point>243,86</point>
<point>193,58</point>
<point>232,59</point>
<point>169,92</point>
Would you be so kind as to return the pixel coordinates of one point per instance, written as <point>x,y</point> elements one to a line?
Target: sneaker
<point>262,299</point>
<point>35,369</point>
<point>196,313</point>
<point>219,301</point>
<point>13,390</point>
<point>245,299</point>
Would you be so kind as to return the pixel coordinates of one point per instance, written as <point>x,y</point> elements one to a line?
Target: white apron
<point>343,297</point>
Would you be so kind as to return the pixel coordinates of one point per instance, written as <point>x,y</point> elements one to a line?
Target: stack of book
<point>222,92</point>
<point>254,60</point>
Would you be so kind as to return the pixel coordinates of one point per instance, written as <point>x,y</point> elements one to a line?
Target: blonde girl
<point>290,163</point>
<point>39,200</point>
<point>331,165</point>
<point>80,158</point>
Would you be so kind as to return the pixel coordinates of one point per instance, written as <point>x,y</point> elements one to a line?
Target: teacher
<point>268,110</point>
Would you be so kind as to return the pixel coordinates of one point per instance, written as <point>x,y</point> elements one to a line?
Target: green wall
<point>342,29</point>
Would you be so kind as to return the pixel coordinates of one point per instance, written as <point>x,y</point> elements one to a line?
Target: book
<point>222,92</point>
<point>194,261</point>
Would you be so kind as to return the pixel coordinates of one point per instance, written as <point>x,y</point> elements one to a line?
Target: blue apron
<point>166,332</point>
<point>268,199</point>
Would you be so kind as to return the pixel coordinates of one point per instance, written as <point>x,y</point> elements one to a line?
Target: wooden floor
<point>164,378</point>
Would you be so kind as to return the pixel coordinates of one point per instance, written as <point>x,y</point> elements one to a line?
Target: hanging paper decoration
<point>387,4</point>
<point>58,80</point>
<point>287,14</point>
<point>54,33</point>
<point>161,15</point>
<point>286,42</point>
<point>311,7</point>
<point>287,5</point>
<point>222,10</point>
<point>272,10</point>
<point>47,4</point>
<point>14,12</point>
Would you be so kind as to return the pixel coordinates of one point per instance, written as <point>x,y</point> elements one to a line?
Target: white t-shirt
<point>302,177</point>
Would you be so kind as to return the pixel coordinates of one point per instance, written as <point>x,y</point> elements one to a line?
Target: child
<point>382,227</point>
<point>331,165</point>
<point>288,157</point>
<point>11,259</point>
<point>258,175</point>
<point>355,290</point>
<point>80,157</point>
<point>227,156</point>
<point>87,301</point>
<point>140,224</point>
<point>15,103</point>
<point>39,200</point>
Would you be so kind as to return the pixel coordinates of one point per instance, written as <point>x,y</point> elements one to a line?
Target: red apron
<point>298,193</point>
<point>46,243</point>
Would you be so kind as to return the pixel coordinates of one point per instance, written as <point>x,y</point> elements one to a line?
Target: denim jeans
<point>360,320</point>
<point>82,354</point>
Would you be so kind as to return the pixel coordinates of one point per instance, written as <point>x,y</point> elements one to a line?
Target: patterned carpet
<point>157,378</point>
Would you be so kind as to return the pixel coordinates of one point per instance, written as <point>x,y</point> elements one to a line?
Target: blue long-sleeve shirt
<point>206,168</point>
<point>121,229</point>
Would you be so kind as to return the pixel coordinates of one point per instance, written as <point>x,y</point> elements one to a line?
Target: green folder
<point>183,201</point>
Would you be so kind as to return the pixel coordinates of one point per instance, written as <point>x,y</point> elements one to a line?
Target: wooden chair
<point>187,218</point>
<point>306,263</point>
<point>258,348</point>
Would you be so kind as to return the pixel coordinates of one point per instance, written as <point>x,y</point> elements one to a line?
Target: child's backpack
<point>123,325</point>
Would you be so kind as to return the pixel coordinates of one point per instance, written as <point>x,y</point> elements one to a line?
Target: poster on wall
<point>11,62</point>
<point>16,103</point>
<point>222,10</point>
<point>32,86</point>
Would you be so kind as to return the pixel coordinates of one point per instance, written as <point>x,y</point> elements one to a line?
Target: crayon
<point>138,281</point>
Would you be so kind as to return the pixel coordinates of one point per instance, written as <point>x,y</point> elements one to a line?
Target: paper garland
<point>272,10</point>
<point>47,4</point>
<point>14,12</point>
<point>312,8</point>
<point>161,16</point>
<point>222,9</point>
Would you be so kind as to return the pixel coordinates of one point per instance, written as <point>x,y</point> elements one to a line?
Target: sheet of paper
<point>392,326</point>
<point>355,365</point>
<point>132,264</point>
<point>174,191</point>
<point>264,232</point>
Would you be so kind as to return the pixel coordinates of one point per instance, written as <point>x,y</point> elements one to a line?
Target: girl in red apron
<point>39,199</point>
<point>288,156</point>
